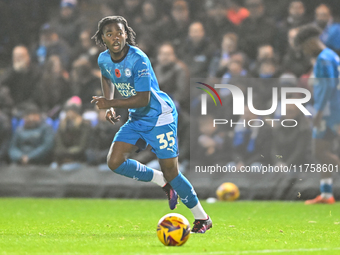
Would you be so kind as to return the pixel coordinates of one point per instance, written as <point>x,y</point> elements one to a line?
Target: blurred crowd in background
<point>49,73</point>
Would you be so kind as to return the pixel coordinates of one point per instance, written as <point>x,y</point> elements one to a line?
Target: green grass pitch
<point>85,226</point>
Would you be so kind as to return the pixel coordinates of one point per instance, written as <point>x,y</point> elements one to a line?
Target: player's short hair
<point>131,35</point>
<point>305,33</point>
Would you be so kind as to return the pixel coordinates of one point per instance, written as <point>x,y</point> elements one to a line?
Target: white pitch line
<point>200,253</point>
<point>246,252</point>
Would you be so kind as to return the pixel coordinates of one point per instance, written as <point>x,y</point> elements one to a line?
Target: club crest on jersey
<point>128,72</point>
<point>117,73</point>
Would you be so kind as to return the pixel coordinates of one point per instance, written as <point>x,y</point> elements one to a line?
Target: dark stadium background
<point>23,22</point>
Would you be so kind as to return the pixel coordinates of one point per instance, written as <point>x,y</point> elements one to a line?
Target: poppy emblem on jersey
<point>128,72</point>
<point>117,73</point>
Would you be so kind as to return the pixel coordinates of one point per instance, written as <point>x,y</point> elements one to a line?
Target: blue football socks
<point>326,188</point>
<point>185,190</point>
<point>135,170</point>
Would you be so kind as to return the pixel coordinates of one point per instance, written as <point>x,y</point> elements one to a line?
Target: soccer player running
<point>152,116</point>
<point>326,103</point>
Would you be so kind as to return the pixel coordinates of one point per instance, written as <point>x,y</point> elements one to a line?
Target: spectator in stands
<point>176,30</point>
<point>131,10</point>
<point>86,48</point>
<point>235,70</point>
<point>84,82</point>
<point>68,24</point>
<point>54,88</point>
<point>268,69</point>
<point>250,143</point>
<point>173,76</point>
<point>242,58</point>
<point>184,138</point>
<point>222,57</point>
<point>20,22</point>
<point>32,143</point>
<point>256,30</point>
<point>263,87</point>
<point>235,12</point>
<point>331,27</point>
<point>264,53</point>
<point>295,61</point>
<point>197,51</point>
<point>292,144</point>
<point>217,23</point>
<point>157,21</point>
<point>149,27</point>
<point>100,140</point>
<point>227,98</point>
<point>151,23</point>
<point>22,77</point>
<point>296,17</point>
<point>212,145</point>
<point>6,101</point>
<point>51,44</point>
<point>5,136</point>
<point>71,139</point>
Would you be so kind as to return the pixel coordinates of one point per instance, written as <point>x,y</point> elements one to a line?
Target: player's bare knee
<point>170,173</point>
<point>114,162</point>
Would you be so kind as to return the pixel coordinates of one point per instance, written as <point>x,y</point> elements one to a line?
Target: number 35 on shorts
<point>166,140</point>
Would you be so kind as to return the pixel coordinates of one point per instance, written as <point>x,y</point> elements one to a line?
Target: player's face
<point>114,36</point>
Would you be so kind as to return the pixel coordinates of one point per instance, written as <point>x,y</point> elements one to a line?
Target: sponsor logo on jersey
<point>125,89</point>
<point>143,72</point>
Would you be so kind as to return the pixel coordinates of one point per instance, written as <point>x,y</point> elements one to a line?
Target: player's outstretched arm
<point>141,99</point>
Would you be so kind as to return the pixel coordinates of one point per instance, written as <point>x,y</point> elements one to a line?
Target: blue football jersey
<point>326,85</point>
<point>134,74</point>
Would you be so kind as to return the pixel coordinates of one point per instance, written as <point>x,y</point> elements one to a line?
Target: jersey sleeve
<point>142,74</point>
<point>325,85</point>
<point>333,40</point>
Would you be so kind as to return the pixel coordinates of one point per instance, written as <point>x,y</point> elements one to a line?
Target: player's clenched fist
<point>101,102</point>
<point>111,116</point>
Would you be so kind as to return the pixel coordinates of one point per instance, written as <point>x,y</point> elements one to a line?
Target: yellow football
<point>173,229</point>
<point>227,192</point>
